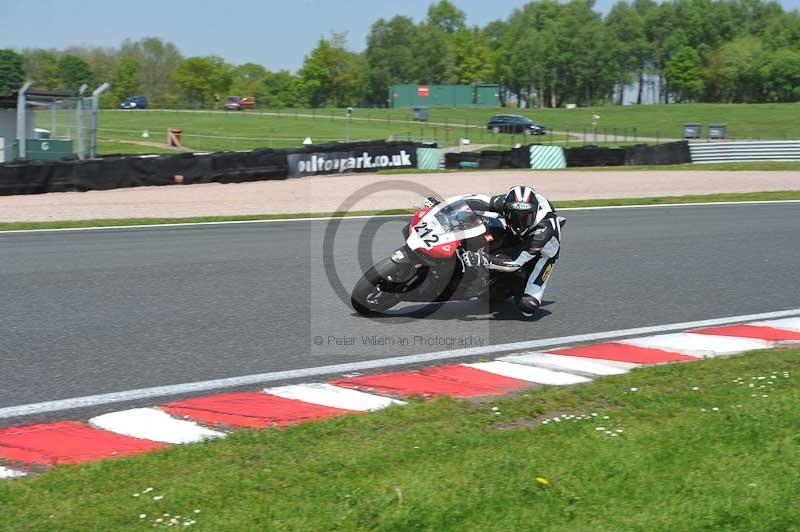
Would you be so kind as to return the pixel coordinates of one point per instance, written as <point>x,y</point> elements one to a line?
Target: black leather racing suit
<point>533,255</point>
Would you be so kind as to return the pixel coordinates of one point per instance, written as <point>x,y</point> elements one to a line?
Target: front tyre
<point>370,295</point>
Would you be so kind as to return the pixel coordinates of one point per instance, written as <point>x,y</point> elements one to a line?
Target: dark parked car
<point>134,102</point>
<point>515,124</point>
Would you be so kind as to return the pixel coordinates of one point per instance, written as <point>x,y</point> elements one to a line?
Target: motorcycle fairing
<point>427,235</point>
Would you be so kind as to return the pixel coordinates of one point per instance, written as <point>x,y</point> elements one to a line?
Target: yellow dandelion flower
<point>542,481</point>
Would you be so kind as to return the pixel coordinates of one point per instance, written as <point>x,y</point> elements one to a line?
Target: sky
<point>273,33</point>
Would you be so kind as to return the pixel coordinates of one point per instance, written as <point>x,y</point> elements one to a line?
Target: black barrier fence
<point>670,153</point>
<point>465,159</point>
<point>38,177</point>
<point>519,157</point>
<point>594,156</point>
<point>23,178</point>
<point>492,159</point>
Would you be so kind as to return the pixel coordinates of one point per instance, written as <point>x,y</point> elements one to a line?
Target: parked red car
<point>237,103</point>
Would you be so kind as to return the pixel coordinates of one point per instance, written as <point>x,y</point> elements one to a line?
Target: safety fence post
<point>95,109</point>
<point>22,128</point>
<point>79,120</point>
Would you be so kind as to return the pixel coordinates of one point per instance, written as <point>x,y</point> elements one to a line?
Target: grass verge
<point>710,445</point>
<point>767,166</point>
<point>730,167</point>
<point>126,222</point>
<point>778,195</point>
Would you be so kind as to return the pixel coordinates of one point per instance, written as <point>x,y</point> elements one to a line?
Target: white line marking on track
<point>362,217</point>
<point>153,424</point>
<point>700,345</point>
<point>249,380</point>
<point>335,396</point>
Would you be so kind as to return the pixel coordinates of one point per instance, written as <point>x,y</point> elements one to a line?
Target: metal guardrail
<point>767,150</point>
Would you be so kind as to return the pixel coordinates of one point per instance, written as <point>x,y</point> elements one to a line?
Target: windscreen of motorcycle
<point>449,222</point>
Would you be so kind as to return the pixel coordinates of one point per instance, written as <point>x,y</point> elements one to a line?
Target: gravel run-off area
<point>369,191</point>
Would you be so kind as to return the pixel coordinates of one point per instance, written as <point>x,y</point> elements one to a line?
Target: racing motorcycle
<point>430,267</point>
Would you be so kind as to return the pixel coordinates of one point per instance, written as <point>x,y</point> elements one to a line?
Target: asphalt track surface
<point>90,312</point>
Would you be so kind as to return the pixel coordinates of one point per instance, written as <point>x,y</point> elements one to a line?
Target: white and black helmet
<point>520,207</point>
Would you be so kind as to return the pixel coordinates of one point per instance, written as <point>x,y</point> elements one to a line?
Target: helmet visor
<point>519,220</point>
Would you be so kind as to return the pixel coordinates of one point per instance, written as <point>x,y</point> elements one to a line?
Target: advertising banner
<point>357,160</point>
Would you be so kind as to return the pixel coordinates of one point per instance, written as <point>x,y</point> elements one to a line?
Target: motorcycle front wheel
<point>371,294</point>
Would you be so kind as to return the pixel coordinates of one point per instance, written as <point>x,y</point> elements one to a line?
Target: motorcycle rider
<point>531,247</point>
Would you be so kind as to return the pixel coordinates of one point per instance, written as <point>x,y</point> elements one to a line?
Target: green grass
<point>767,166</point>
<point>124,222</point>
<point>458,465</point>
<point>217,131</point>
<point>779,195</point>
<point>700,198</point>
<point>214,131</point>
<point>751,121</point>
<point>737,166</point>
<point>745,121</point>
<point>108,147</point>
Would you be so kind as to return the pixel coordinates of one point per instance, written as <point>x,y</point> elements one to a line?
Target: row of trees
<point>142,67</point>
<point>545,54</point>
<point>549,53</point>
<point>707,50</point>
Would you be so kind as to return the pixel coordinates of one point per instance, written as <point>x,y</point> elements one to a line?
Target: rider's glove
<point>474,259</point>
<point>500,263</point>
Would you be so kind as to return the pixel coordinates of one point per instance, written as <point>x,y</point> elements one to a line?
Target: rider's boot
<point>528,305</point>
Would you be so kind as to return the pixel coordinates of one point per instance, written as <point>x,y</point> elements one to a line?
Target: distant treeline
<point>545,54</point>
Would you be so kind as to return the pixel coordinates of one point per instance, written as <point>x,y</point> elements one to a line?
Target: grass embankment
<point>744,121</point>
<point>222,131</point>
<point>125,222</point>
<point>214,131</point>
<point>709,445</point>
